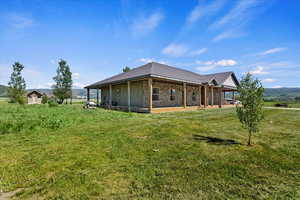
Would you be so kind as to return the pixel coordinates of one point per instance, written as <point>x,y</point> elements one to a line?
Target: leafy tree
<point>44,98</point>
<point>297,98</point>
<point>62,89</point>
<point>126,69</point>
<point>250,112</point>
<point>17,86</point>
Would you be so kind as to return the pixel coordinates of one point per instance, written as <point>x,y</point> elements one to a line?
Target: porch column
<point>97,96</point>
<point>205,96</point>
<point>110,95</point>
<point>220,98</point>
<point>88,94</point>
<point>150,94</point>
<point>184,95</point>
<point>212,95</point>
<point>233,96</point>
<point>200,95</point>
<point>128,95</point>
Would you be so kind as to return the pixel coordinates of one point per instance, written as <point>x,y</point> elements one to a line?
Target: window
<point>172,94</point>
<point>193,96</point>
<point>155,94</point>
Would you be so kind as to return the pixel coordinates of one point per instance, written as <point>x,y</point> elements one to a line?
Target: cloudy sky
<point>99,38</point>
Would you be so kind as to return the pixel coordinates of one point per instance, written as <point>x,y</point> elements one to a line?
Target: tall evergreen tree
<point>250,112</point>
<point>126,69</point>
<point>62,89</point>
<point>16,85</point>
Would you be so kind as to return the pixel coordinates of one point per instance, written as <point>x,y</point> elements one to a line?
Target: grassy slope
<point>107,154</point>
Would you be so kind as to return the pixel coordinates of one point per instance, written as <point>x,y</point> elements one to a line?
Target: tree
<point>44,98</point>
<point>250,112</point>
<point>17,86</point>
<point>62,89</point>
<point>297,98</point>
<point>126,69</point>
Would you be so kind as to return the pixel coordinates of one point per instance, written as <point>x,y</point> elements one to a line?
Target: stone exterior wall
<point>140,94</point>
<point>165,92</point>
<point>192,95</point>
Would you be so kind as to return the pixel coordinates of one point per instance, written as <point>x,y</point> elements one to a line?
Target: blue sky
<point>98,38</point>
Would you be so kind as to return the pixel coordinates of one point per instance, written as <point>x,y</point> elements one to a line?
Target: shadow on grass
<point>214,140</point>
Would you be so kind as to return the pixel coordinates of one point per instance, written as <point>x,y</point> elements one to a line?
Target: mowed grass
<point>102,154</point>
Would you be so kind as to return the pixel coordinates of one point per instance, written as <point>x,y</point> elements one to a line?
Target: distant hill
<point>3,91</point>
<point>282,93</point>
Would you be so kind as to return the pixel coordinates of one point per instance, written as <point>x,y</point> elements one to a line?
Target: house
<point>34,97</point>
<point>156,87</point>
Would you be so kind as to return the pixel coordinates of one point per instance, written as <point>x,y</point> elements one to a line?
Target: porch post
<point>128,95</point>
<point>88,94</point>
<point>97,96</point>
<point>212,95</point>
<point>200,95</point>
<point>220,97</point>
<point>110,95</point>
<point>205,96</point>
<point>150,94</point>
<point>184,95</point>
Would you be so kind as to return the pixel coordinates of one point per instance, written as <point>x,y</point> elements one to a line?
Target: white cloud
<point>78,85</point>
<point>227,34</point>
<point>75,75</point>
<point>205,10</point>
<point>268,80</point>
<point>175,50</point>
<point>19,21</point>
<point>271,51</point>
<point>209,65</point>
<point>277,86</point>
<point>198,52</point>
<point>237,18</point>
<point>149,60</point>
<point>145,25</point>
<point>239,14</point>
<point>258,71</point>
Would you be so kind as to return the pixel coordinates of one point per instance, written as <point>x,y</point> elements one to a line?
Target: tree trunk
<point>249,138</point>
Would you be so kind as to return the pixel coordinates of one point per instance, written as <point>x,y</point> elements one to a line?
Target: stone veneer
<point>140,94</point>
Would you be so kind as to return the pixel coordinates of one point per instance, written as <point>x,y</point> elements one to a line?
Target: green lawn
<point>66,152</point>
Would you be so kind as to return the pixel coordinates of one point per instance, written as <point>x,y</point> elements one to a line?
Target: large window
<point>193,96</point>
<point>155,94</point>
<point>172,94</point>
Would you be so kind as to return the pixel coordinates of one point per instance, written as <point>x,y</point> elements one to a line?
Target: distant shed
<point>34,97</point>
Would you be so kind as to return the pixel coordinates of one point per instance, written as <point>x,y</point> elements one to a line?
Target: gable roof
<point>35,92</point>
<point>158,70</point>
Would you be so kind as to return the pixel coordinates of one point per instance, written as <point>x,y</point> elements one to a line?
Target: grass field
<point>66,152</point>
<point>292,104</point>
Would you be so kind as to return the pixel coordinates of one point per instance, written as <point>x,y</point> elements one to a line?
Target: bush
<point>44,99</point>
<point>52,103</point>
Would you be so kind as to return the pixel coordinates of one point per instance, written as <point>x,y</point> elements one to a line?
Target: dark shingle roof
<point>154,69</point>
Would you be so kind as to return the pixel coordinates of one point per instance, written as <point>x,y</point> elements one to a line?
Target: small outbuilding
<point>34,97</point>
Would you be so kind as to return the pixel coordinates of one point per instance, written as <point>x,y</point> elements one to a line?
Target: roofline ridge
<point>179,68</point>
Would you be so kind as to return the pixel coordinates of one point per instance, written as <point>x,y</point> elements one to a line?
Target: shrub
<point>52,103</point>
<point>44,99</point>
